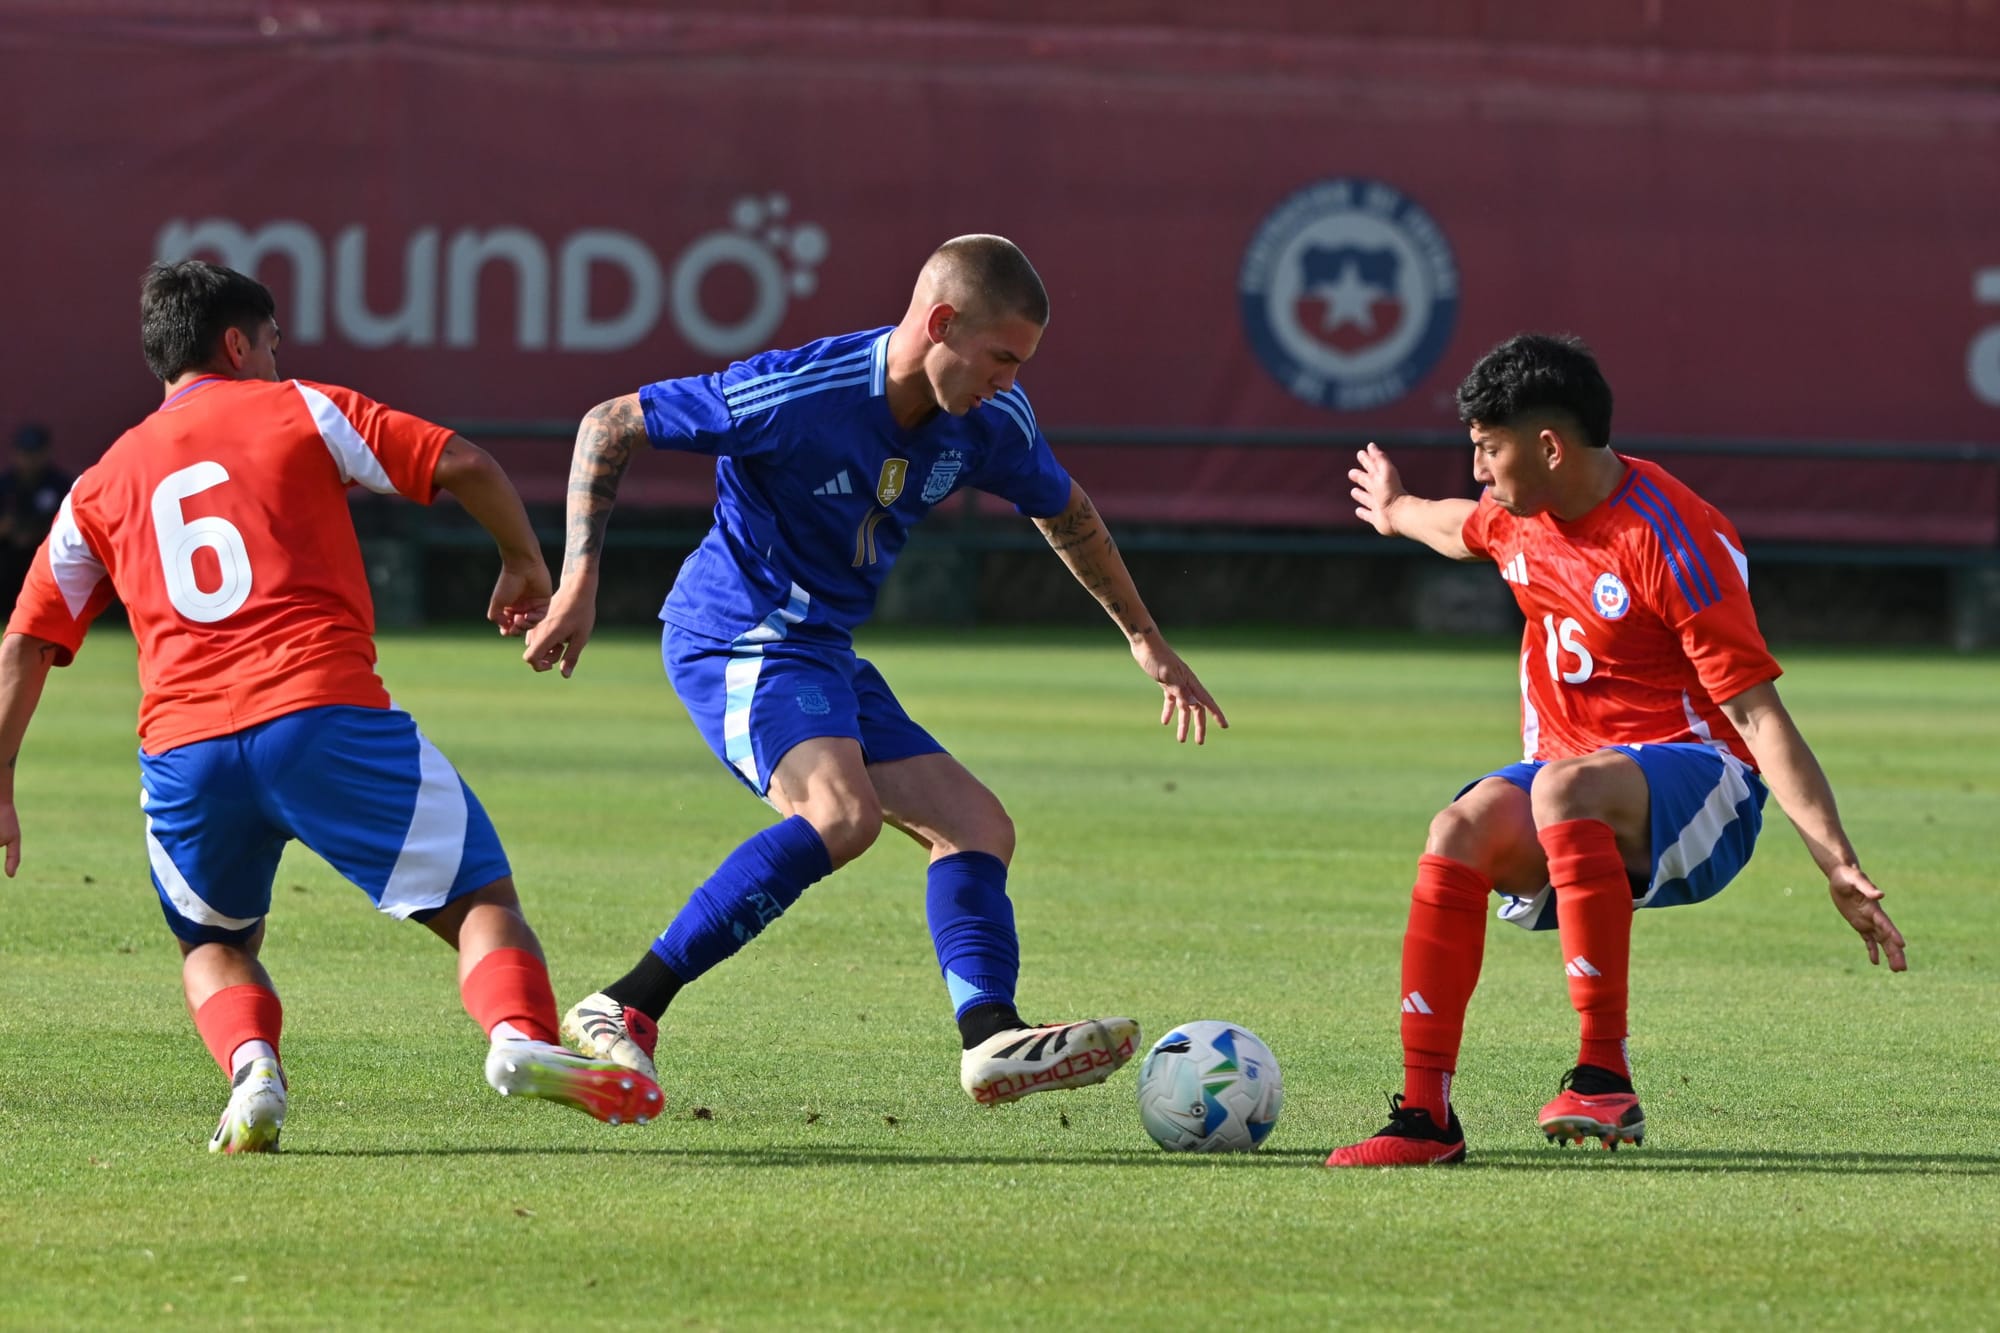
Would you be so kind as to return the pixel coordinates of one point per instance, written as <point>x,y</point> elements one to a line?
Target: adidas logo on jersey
<point>1516,570</point>
<point>837,486</point>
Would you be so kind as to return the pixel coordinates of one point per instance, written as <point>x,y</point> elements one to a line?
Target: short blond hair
<point>987,277</point>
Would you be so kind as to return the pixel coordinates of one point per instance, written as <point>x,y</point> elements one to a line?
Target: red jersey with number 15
<point>1639,618</point>
<point>221,521</point>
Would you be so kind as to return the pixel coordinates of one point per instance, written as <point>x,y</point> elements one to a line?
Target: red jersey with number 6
<point>1639,618</point>
<point>221,522</point>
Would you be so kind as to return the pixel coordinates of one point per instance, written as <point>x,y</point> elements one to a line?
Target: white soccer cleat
<point>1010,1065</point>
<point>604,1029</point>
<point>256,1111</point>
<point>600,1089</point>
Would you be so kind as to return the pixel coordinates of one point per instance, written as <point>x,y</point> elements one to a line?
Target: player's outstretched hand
<point>1857,898</point>
<point>520,598</point>
<point>560,636</point>
<point>1187,702</point>
<point>1377,485</point>
<point>10,836</point>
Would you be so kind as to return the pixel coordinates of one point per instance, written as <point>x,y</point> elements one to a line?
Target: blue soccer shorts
<point>754,698</point>
<point>1707,808</point>
<point>362,787</point>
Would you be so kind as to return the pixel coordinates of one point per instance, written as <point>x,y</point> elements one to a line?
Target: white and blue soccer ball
<point>1209,1087</point>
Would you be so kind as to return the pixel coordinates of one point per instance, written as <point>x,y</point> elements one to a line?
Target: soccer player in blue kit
<point>826,457</point>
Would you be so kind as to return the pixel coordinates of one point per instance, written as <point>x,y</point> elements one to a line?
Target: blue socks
<point>971,919</point>
<point>972,925</point>
<point>750,889</point>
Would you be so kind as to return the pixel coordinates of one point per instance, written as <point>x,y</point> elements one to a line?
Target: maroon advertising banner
<point>501,213</point>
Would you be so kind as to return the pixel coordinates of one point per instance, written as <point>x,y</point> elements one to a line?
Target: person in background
<point>31,490</point>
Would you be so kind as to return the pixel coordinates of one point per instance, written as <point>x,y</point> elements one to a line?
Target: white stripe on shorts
<point>185,900</point>
<point>435,842</point>
<point>739,681</point>
<point>1700,834</point>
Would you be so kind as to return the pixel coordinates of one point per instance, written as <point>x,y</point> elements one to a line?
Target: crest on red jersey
<point>1609,597</point>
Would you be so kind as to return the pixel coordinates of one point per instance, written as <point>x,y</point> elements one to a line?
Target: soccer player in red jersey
<point>1651,729</point>
<point>221,522</point>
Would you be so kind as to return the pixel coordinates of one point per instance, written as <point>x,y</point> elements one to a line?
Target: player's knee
<point>1455,833</point>
<point>989,829</point>
<point>848,827</point>
<point>1567,789</point>
<point>1000,835</point>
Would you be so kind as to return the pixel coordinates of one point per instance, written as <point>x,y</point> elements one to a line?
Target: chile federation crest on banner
<point>1349,293</point>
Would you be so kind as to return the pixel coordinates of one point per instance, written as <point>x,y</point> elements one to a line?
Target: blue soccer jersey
<point>817,486</point>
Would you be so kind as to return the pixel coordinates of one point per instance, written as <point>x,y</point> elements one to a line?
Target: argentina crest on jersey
<point>1609,596</point>
<point>943,476</point>
<point>890,484</point>
<point>1348,294</point>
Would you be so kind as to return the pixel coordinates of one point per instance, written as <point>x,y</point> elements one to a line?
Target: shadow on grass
<point>1724,1161</point>
<point>1705,1161</point>
<point>807,1154</point>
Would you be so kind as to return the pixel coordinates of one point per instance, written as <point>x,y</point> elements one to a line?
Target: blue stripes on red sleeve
<point>1690,568</point>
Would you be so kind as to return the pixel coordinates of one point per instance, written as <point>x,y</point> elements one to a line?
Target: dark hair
<point>991,278</point>
<point>1538,374</point>
<point>184,309</point>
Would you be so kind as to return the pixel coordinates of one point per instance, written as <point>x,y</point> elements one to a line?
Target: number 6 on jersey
<point>180,538</point>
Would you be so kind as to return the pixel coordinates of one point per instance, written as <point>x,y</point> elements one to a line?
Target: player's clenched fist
<point>560,637</point>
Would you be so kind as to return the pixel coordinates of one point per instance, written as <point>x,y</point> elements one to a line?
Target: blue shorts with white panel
<point>754,698</point>
<point>362,787</point>
<point>1707,808</point>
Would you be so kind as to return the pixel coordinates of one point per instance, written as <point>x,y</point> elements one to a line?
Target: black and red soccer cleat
<point>1411,1138</point>
<point>1595,1104</point>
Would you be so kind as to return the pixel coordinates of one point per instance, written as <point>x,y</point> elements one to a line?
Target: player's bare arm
<point>521,594</point>
<point>1085,544</point>
<point>1381,502</point>
<point>605,441</point>
<point>24,668</point>
<point>1796,779</point>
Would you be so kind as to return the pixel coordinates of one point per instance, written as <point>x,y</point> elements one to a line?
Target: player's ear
<point>938,322</point>
<point>1552,447</point>
<point>235,347</point>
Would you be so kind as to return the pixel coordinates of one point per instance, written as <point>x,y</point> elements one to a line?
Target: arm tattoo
<point>1086,546</point>
<point>1068,531</point>
<point>604,444</point>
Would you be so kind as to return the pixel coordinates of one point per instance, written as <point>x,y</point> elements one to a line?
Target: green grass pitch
<point>1822,1145</point>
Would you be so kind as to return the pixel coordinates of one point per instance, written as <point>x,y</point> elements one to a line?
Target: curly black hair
<point>1535,375</point>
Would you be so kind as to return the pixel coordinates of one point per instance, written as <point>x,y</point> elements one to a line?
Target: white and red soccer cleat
<point>600,1089</point>
<point>604,1029</point>
<point>1012,1064</point>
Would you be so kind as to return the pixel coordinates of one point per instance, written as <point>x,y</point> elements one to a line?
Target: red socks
<point>1442,951</point>
<point>236,1014</point>
<point>511,986</point>
<point>507,986</point>
<point>1594,921</point>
